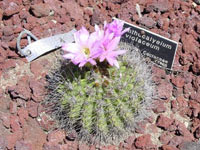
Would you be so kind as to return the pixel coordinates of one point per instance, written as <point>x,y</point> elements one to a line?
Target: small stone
<point>70,6</point>
<point>168,147</point>
<point>197,133</point>
<point>147,21</point>
<point>40,10</point>
<point>195,107</point>
<point>56,137</point>
<point>144,141</point>
<point>13,107</point>
<point>38,90</point>
<point>176,140</point>
<point>160,5</point>
<point>188,41</point>
<point>164,90</point>
<point>12,9</point>
<point>34,135</point>
<point>178,81</point>
<point>196,67</point>
<point>5,117</point>
<point>1,14</point>
<point>45,121</point>
<point>198,27</point>
<point>141,127</point>
<point>21,90</point>
<point>23,115</point>
<point>22,145</point>
<point>14,123</point>
<point>32,109</point>
<point>2,143</point>
<point>165,138</point>
<point>159,107</point>
<point>128,143</point>
<point>8,30</point>
<point>49,146</point>
<point>13,138</point>
<point>38,67</point>
<point>164,122</point>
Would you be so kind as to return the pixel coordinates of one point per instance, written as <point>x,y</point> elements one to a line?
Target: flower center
<point>86,51</point>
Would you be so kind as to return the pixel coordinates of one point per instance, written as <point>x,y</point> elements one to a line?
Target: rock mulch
<point>24,125</point>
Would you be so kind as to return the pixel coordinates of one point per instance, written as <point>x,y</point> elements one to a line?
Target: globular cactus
<point>102,104</point>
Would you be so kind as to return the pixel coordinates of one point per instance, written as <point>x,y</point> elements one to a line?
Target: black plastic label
<point>158,48</point>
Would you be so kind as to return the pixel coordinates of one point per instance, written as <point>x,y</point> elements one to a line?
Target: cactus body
<point>102,105</point>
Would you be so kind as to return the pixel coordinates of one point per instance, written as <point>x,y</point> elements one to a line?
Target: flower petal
<point>110,60</point>
<point>92,62</point>
<point>69,56</point>
<point>115,62</point>
<point>71,47</point>
<point>113,44</point>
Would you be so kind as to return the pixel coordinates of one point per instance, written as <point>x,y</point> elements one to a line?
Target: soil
<point>24,124</point>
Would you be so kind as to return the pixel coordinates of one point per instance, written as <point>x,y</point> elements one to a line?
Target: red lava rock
<point>159,107</point>
<point>40,10</point>
<point>184,131</point>
<point>144,141</point>
<point>182,102</point>
<point>5,117</point>
<point>197,133</point>
<point>164,122</point>
<point>70,6</point>
<point>22,145</point>
<point>8,30</point>
<point>45,121</point>
<point>13,138</point>
<point>39,66</point>
<point>56,137</point>
<point>127,144</point>
<point>164,90</point>
<point>38,90</point>
<point>13,107</point>
<point>34,135</point>
<point>83,146</point>
<point>49,146</point>
<point>141,126</point>
<point>176,140</point>
<point>97,17</point>
<point>160,5</point>
<point>14,123</point>
<point>13,8</point>
<point>147,21</point>
<point>174,105</point>
<point>9,63</point>
<point>2,143</point>
<point>21,90</point>
<point>168,147</point>
<point>189,146</point>
<point>1,14</point>
<point>70,145</point>
<point>196,66</point>
<point>178,81</point>
<point>189,43</point>
<point>165,138</point>
<point>32,109</point>
<point>23,115</point>
<point>198,27</point>
<point>195,107</point>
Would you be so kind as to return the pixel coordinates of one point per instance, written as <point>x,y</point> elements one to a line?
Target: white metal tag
<point>45,45</point>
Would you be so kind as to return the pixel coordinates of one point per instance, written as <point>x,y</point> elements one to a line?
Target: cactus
<point>102,104</point>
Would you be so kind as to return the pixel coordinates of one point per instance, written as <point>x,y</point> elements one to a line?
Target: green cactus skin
<point>102,104</point>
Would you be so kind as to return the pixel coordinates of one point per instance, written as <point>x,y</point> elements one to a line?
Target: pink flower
<point>110,52</point>
<point>115,27</point>
<point>84,50</point>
